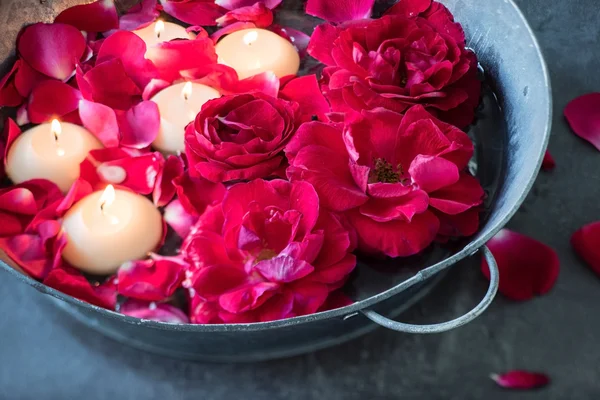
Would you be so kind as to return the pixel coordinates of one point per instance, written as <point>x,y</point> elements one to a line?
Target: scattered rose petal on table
<point>521,380</point>
<point>548,164</point>
<point>98,16</point>
<point>140,15</point>
<point>583,114</point>
<point>194,12</point>
<point>52,49</point>
<point>9,95</point>
<point>527,267</point>
<point>52,99</point>
<point>586,243</point>
<point>340,10</point>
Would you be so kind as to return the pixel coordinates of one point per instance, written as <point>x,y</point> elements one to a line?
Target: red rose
<point>395,62</point>
<point>241,137</point>
<point>401,180</point>
<point>268,252</point>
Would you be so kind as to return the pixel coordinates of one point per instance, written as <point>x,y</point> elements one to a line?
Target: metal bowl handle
<point>455,323</point>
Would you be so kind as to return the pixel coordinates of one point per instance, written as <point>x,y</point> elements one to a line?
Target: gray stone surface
<point>45,355</point>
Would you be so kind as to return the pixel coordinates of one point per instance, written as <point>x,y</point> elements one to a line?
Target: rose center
<point>385,172</point>
<point>265,254</point>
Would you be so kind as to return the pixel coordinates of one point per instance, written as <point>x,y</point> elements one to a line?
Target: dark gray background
<point>45,355</point>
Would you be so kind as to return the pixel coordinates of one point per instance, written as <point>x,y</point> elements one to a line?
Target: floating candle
<point>161,31</point>
<point>109,228</point>
<point>252,51</point>
<point>178,105</point>
<point>51,151</point>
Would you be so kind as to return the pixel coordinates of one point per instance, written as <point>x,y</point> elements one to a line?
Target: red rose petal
<point>335,300</point>
<point>234,4</point>
<point>101,121</point>
<point>140,125</point>
<point>139,16</point>
<point>29,252</point>
<point>155,279</point>
<point>248,298</point>
<point>27,78</point>
<point>52,49</point>
<point>179,55</point>
<point>117,167</point>
<point>266,82</point>
<point>548,164</point>
<point>194,12</point>
<point>155,86</point>
<point>52,99</point>
<point>195,194</point>
<point>306,92</point>
<point>284,269</point>
<point>23,115</point>
<point>131,50</point>
<point>585,242</point>
<point>233,27</point>
<point>299,39</point>
<point>583,114</point>
<point>340,10</point>
<point>179,219</point>
<point>10,133</point>
<point>70,281</point>
<point>527,267</point>
<point>9,95</point>
<point>78,191</point>
<point>99,16</point>
<point>109,84</point>
<point>164,191</point>
<point>258,13</point>
<point>521,380</point>
<point>155,312</point>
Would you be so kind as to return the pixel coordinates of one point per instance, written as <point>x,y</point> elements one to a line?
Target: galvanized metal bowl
<point>511,135</point>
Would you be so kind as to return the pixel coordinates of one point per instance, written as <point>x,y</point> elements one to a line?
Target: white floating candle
<point>161,31</point>
<point>178,105</point>
<point>109,228</point>
<point>253,51</point>
<point>50,151</point>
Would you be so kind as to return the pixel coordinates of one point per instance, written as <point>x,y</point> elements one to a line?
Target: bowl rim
<point>353,309</point>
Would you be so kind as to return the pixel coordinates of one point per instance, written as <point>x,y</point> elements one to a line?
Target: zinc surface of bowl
<point>511,135</point>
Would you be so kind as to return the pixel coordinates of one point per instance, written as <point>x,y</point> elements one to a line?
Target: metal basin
<point>511,135</point>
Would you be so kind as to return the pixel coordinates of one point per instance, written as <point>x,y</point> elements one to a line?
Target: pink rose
<point>399,60</point>
<point>267,252</point>
<point>401,180</point>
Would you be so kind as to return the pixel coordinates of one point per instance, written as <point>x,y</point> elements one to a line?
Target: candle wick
<point>55,137</point>
<point>185,96</point>
<point>158,35</point>
<point>102,205</point>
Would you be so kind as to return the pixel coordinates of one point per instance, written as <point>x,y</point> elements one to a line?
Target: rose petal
<point>140,15</point>
<point>298,38</point>
<point>335,300</point>
<point>433,173</point>
<point>131,50</point>
<point>258,13</point>
<point>52,49</point>
<point>78,191</point>
<point>114,166</point>
<point>194,12</point>
<point>585,242</point>
<point>284,269</point>
<point>52,99</point>
<point>139,125</point>
<point>234,4</point>
<point>160,312</point>
<point>155,279</point>
<point>248,298</point>
<point>155,86</point>
<point>101,121</point>
<point>195,194</point>
<point>265,82</point>
<point>178,219</point>
<point>229,29</point>
<point>548,164</point>
<point>527,267</point>
<point>70,281</point>
<point>521,380</point>
<point>32,252</point>
<point>98,16</point>
<point>27,79</point>
<point>10,133</point>
<point>340,11</point>
<point>583,114</point>
<point>306,92</point>
<point>109,84</point>
<point>178,55</point>
<point>164,191</point>
<point>9,95</point>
